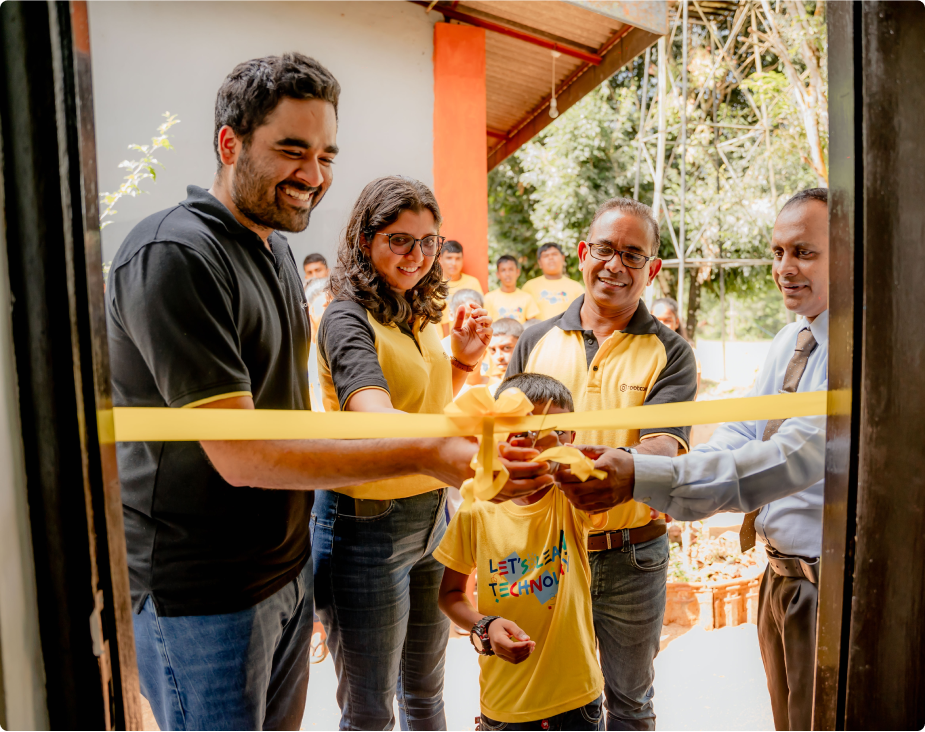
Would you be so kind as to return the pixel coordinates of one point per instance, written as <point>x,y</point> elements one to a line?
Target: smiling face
<point>800,246</point>
<point>508,272</point>
<point>552,262</point>
<point>500,351</point>
<point>403,271</point>
<point>283,170</point>
<point>611,285</point>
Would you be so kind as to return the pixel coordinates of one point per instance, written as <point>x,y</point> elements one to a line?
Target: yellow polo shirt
<point>465,282</point>
<point>553,296</point>
<point>517,305</point>
<point>533,569</point>
<point>645,364</point>
<point>357,352</point>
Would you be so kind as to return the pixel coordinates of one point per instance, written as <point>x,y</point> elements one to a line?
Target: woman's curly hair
<point>356,279</point>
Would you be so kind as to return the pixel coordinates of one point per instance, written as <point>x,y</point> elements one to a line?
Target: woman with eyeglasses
<point>379,350</point>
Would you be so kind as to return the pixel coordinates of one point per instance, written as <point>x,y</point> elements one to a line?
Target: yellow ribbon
<point>163,424</point>
<point>480,404</point>
<point>582,466</point>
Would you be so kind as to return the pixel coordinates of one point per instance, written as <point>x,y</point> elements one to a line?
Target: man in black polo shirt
<point>204,308</point>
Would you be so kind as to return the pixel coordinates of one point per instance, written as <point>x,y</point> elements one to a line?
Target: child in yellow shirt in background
<point>552,290</point>
<point>451,261</point>
<point>533,626</point>
<point>505,334</point>
<point>509,301</point>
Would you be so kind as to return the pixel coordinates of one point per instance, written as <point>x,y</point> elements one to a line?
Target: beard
<point>254,192</point>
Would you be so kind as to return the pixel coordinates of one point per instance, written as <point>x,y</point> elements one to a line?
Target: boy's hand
<point>509,642</point>
<point>526,477</point>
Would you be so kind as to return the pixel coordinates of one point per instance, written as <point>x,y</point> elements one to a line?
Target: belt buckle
<point>609,546</point>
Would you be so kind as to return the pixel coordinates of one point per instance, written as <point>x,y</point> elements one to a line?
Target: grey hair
<point>508,327</point>
<point>632,208</point>
<point>314,287</point>
<point>464,297</point>
<point>539,389</point>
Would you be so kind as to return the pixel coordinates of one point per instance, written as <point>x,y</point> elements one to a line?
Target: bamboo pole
<point>642,121</point>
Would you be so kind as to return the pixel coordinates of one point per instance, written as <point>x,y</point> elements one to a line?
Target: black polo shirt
<point>198,310</point>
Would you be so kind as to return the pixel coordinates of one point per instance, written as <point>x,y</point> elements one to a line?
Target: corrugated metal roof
<point>593,44</point>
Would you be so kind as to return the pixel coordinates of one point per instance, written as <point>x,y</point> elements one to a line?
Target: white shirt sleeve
<point>732,473</point>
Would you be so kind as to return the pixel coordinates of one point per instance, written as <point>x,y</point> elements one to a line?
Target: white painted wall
<point>151,57</point>
<point>22,682</point>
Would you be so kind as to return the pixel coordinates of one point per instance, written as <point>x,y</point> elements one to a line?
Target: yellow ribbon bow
<point>478,402</point>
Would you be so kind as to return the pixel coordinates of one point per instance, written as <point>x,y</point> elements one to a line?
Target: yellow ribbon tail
<point>582,466</point>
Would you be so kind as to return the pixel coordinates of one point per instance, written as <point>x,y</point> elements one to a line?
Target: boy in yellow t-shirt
<point>533,626</point>
<point>451,261</point>
<point>509,301</point>
<point>552,290</point>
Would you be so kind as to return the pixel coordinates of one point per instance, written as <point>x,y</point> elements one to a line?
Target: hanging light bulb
<point>553,107</point>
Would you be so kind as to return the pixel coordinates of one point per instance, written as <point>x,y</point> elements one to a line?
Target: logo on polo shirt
<point>631,387</point>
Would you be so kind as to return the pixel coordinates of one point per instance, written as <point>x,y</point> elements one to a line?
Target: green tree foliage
<point>768,145</point>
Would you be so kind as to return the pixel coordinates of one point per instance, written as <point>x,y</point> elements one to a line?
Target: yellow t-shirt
<point>356,352</point>
<point>533,569</point>
<point>553,296</point>
<point>465,282</point>
<point>517,305</point>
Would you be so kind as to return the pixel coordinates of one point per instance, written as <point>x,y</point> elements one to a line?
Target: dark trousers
<point>588,717</point>
<point>787,637</point>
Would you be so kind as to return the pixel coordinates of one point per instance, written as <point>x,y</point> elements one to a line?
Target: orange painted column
<point>460,159</point>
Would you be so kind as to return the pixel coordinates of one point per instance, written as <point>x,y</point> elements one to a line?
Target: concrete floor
<point>703,680</point>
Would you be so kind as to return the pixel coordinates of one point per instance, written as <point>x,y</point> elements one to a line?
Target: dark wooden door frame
<point>871,638</point>
<point>50,198</point>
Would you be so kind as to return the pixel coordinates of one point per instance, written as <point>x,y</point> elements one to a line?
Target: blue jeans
<point>588,717</point>
<point>238,671</point>
<point>628,590</point>
<point>376,590</point>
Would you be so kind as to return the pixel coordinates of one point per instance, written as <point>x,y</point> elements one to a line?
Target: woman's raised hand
<point>471,334</point>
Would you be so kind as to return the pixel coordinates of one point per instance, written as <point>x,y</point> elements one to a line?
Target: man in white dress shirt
<point>772,470</point>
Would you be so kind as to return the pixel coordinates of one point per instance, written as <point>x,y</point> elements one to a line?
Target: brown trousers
<point>787,638</point>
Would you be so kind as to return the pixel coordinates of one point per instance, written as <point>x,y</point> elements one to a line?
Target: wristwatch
<point>480,631</point>
<point>630,450</point>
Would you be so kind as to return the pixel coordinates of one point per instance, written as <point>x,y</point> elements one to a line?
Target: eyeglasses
<point>404,243</point>
<point>630,259</point>
<point>533,435</point>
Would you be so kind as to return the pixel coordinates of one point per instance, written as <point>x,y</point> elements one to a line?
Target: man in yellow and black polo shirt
<point>610,352</point>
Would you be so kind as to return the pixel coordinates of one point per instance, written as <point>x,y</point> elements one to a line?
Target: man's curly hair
<point>356,279</point>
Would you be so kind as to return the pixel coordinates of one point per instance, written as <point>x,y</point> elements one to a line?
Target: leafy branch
<point>139,170</point>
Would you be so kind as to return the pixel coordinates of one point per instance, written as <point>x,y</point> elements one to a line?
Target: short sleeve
<point>347,344</point>
<point>676,383</point>
<point>457,549</point>
<point>177,309</point>
<point>532,310</point>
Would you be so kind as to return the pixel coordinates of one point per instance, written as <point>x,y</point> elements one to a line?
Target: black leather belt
<point>787,566</point>
<point>621,537</point>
